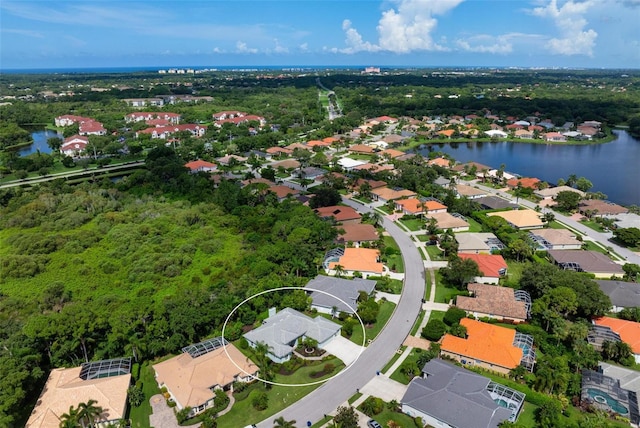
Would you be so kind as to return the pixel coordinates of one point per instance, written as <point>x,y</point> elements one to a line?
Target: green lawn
<point>416,324</point>
<point>437,315</point>
<point>413,224</point>
<point>527,417</point>
<point>444,293</point>
<point>423,238</point>
<point>434,253</point>
<point>398,376</point>
<point>474,226</point>
<point>386,309</point>
<point>280,397</point>
<point>396,259</point>
<point>593,225</point>
<point>427,289</point>
<point>401,419</point>
<point>140,415</point>
<point>592,246</point>
<point>514,273</point>
<point>393,360</point>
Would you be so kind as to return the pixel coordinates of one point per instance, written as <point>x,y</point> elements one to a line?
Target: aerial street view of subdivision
<point>320,213</point>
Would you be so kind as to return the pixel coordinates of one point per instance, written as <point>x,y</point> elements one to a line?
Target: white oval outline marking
<point>362,347</point>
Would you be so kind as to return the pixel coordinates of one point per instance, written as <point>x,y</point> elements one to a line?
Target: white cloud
<point>569,19</point>
<point>242,47</point>
<point>21,32</point>
<point>406,28</point>
<point>279,48</point>
<point>486,44</point>
<point>304,47</point>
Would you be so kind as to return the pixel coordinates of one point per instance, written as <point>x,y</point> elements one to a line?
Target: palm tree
<point>339,269</point>
<point>90,412</point>
<point>281,422</point>
<point>263,362</point>
<point>70,419</point>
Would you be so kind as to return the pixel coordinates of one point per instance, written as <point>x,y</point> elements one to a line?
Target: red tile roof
<point>338,212</point>
<point>489,264</point>
<point>629,331</point>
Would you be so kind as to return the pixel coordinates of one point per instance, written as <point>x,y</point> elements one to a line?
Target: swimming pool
<point>603,398</point>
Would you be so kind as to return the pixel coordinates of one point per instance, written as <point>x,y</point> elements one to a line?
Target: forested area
<point>103,271</point>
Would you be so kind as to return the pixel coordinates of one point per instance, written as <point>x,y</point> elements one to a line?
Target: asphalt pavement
<point>337,391</point>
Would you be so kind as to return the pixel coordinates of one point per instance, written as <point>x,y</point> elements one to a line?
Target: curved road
<point>335,392</point>
<point>602,238</point>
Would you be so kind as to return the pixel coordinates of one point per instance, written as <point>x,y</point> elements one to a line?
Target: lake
<point>40,138</point>
<point>613,168</point>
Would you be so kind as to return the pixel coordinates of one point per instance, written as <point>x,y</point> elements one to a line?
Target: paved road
<point>335,392</point>
<point>602,238</point>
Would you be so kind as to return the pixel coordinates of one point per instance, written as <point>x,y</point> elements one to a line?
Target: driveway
<point>383,387</point>
<point>344,349</point>
<point>162,416</point>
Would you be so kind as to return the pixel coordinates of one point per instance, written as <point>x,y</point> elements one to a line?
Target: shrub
<point>260,401</point>
<point>434,330</point>
<point>136,396</point>
<point>453,316</point>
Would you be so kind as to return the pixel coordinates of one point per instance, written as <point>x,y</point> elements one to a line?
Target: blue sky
<point>421,33</point>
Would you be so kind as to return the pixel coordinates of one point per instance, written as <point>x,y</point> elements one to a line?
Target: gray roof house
<point>622,294</point>
<point>478,242</point>
<point>331,289</point>
<point>586,261</point>
<point>613,389</point>
<point>451,396</point>
<point>281,331</point>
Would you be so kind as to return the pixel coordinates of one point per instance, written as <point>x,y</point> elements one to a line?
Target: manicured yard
<point>527,417</point>
<point>280,397</point>
<point>474,226</point>
<point>445,293</point>
<point>514,273</point>
<point>140,415</point>
<point>593,225</point>
<point>435,254</point>
<point>416,325</point>
<point>424,238</point>
<point>386,309</point>
<point>400,418</point>
<point>397,375</point>
<point>393,360</point>
<point>394,262</point>
<point>427,288</point>
<point>413,224</point>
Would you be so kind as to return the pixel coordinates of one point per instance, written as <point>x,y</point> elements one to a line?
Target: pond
<point>613,168</point>
<point>40,138</point>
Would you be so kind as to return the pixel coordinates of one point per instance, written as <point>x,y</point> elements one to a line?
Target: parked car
<point>373,424</point>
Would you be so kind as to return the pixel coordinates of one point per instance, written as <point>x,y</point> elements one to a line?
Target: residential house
<point>415,206</point>
<point>626,220</point>
<point>469,192</point>
<point>447,133</point>
<point>279,151</point>
<point>586,261</point>
<point>524,182</point>
<point>172,118</point>
<point>361,149</point>
<point>357,233</point>
<point>613,389</point>
<point>492,301</point>
<point>349,164</point>
<point>523,134</point>
<point>192,378</point>
<point>331,295</point>
<point>552,192</point>
<point>373,184</point>
<point>287,164</point>
<point>622,330</point>
<point>91,128</point>
<point>439,161</point>
<point>622,294</point>
<point>592,123</point>
<point>284,330</point>
<point>69,119</point>
<point>495,203</point>
<point>283,192</point>
<point>520,219</point>
<point>144,102</point>
<point>391,153</point>
<point>311,172</point>
<point>106,382</point>
<point>555,137</point>
<point>394,139</point>
<point>201,166</point>
<point>229,159</point>
<point>448,396</point>
<point>599,207</point>
<point>496,133</point>
<point>555,239</point>
<point>445,221</point>
<point>478,243</point>
<point>385,194</point>
<point>490,347</point>
<point>339,213</point>
<point>365,261</point>
<point>164,132</point>
<point>492,266</point>
<point>74,145</point>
